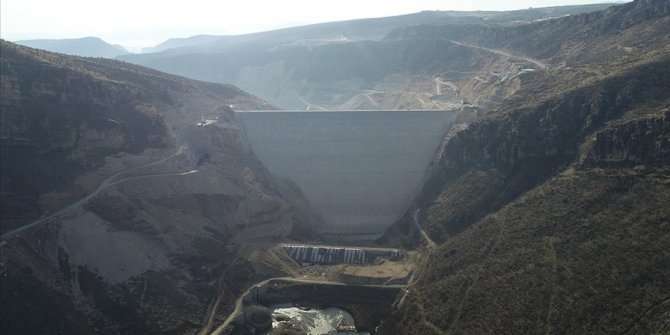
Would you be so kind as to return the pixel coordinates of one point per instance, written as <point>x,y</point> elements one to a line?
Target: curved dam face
<point>358,169</point>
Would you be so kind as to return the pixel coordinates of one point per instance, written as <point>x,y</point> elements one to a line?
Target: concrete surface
<point>358,169</point>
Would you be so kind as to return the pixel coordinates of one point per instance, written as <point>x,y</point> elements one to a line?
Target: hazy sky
<point>141,23</point>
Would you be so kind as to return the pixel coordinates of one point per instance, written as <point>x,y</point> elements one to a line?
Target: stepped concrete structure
<point>358,169</point>
<point>309,254</point>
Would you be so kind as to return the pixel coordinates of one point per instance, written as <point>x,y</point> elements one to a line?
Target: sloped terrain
<point>360,64</point>
<point>86,46</point>
<point>550,212</point>
<point>61,116</point>
<point>584,253</point>
<point>170,194</point>
<point>585,38</point>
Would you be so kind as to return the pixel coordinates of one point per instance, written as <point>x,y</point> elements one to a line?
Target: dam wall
<point>358,169</point>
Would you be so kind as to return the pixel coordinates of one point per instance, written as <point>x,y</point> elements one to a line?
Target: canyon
<point>477,173</point>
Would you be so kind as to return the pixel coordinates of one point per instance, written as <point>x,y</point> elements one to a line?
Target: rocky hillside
<point>86,46</point>
<point>358,64</point>
<point>550,213</point>
<point>62,116</point>
<point>170,194</point>
<point>353,30</point>
<point>598,36</point>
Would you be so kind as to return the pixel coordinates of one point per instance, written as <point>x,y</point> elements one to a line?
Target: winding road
<point>429,241</point>
<point>540,64</point>
<point>109,181</point>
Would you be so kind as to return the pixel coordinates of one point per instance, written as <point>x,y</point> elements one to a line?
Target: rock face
<point>550,212</point>
<point>176,193</point>
<point>632,143</point>
<point>57,124</point>
<point>515,149</point>
<point>61,117</point>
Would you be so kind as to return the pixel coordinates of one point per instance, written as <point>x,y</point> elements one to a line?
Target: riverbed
<point>313,321</point>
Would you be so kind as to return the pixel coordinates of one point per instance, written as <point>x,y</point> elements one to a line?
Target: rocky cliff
<point>642,141</point>
<point>170,195</point>
<point>550,212</point>
<point>518,147</point>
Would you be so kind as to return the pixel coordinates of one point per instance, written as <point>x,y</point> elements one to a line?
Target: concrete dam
<point>358,169</point>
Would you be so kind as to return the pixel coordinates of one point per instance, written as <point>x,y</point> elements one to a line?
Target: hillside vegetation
<point>176,198</point>
<point>546,207</point>
<point>551,212</point>
<point>61,116</point>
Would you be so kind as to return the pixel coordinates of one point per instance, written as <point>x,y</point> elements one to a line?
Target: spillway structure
<point>325,255</point>
<point>359,170</point>
<point>329,255</point>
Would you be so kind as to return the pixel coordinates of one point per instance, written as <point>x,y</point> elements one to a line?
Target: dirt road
<point>540,64</point>
<point>109,181</point>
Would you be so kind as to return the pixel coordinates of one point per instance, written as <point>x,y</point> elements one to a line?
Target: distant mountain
<point>360,29</point>
<point>181,42</point>
<point>359,64</point>
<point>86,46</point>
<point>314,34</point>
